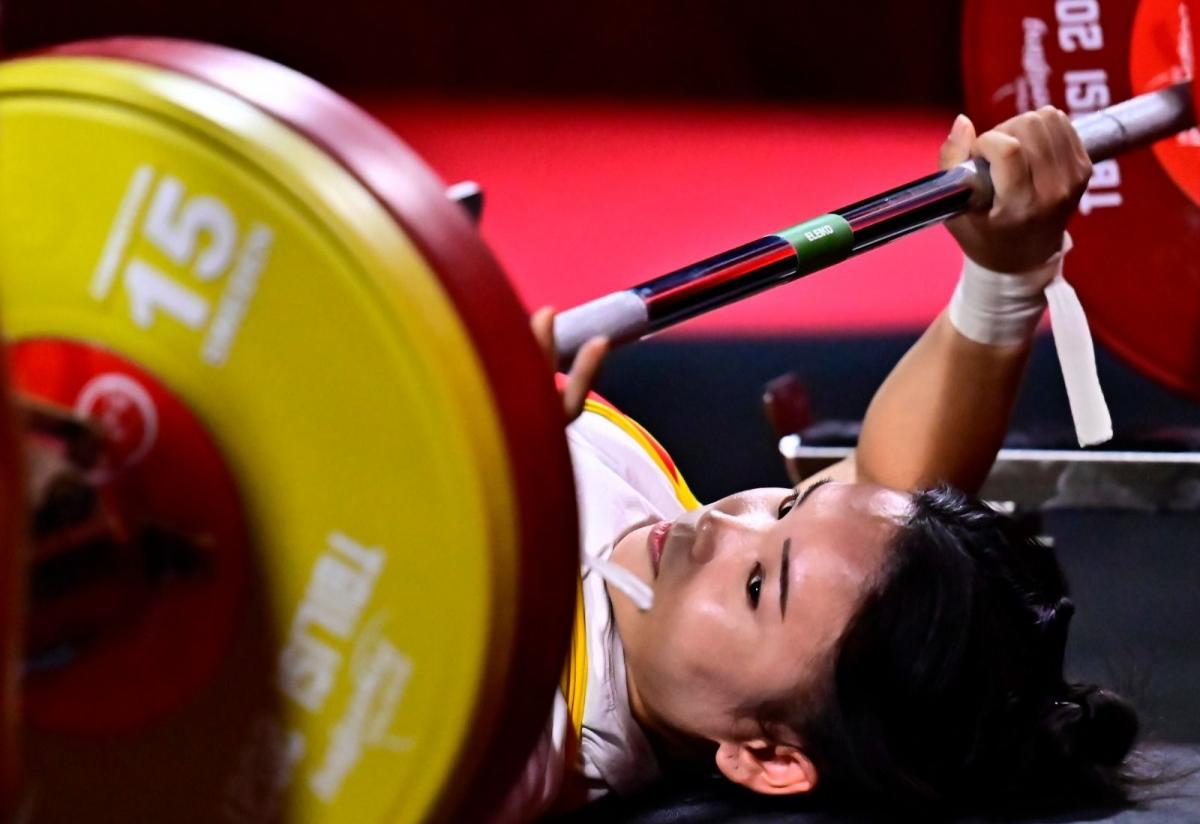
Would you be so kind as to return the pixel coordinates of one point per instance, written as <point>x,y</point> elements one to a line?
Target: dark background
<point>898,52</point>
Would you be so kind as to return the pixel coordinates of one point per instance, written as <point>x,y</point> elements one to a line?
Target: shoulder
<point>604,434</point>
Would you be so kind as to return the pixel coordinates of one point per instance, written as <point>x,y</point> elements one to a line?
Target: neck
<point>672,746</point>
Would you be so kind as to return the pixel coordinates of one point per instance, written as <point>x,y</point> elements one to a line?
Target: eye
<point>754,585</point>
<point>788,503</point>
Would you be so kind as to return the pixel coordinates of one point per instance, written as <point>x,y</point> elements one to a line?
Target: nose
<point>721,528</point>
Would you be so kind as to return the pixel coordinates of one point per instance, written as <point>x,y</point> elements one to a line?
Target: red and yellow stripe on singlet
<point>574,678</point>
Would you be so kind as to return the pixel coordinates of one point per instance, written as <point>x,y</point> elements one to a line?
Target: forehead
<point>838,543</point>
<point>857,517</point>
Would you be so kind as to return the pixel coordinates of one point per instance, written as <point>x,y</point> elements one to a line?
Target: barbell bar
<point>631,314</point>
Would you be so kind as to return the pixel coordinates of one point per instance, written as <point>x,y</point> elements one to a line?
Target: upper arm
<point>941,414</point>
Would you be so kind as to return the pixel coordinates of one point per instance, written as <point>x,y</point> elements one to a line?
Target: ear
<point>767,767</point>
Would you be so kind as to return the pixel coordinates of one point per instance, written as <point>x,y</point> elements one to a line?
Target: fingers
<point>583,369</point>
<point>1011,177</point>
<point>1048,172</point>
<point>1047,169</point>
<point>957,146</point>
<point>583,375</point>
<point>542,324</point>
<point>1069,147</point>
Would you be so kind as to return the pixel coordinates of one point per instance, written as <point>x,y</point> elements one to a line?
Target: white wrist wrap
<point>1004,309</point>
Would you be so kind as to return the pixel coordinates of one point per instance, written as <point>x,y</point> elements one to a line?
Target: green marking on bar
<point>820,242</point>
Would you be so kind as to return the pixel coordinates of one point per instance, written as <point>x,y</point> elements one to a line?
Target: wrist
<point>1000,308</point>
<point>1017,253</point>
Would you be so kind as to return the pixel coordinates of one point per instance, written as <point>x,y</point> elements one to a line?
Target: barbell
<point>302,508</point>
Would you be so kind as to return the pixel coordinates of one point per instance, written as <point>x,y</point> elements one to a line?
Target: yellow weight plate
<point>183,230</point>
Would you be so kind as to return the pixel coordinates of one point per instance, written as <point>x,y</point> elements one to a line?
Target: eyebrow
<point>787,550</point>
<point>811,488</point>
<point>783,577</point>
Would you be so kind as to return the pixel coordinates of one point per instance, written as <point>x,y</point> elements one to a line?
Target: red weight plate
<point>1193,12</point>
<point>528,407</point>
<point>1161,53</point>
<point>182,618</point>
<point>1136,263</point>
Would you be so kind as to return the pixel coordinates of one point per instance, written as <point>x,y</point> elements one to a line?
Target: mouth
<point>655,543</point>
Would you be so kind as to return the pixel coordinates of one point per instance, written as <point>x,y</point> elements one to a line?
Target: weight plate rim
<point>12,597</point>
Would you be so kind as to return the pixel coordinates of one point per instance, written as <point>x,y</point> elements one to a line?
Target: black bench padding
<point>1174,798</point>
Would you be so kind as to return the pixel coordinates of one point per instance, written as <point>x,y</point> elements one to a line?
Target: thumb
<point>957,146</point>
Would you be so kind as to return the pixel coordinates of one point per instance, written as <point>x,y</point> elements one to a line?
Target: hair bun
<point>1094,724</point>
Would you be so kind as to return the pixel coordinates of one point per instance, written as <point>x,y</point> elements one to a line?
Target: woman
<point>876,633</point>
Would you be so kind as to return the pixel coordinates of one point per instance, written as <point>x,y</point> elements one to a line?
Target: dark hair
<point>947,689</point>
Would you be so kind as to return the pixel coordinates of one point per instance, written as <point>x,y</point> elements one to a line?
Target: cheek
<point>696,634</point>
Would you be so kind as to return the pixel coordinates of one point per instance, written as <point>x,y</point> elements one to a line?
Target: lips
<point>655,543</point>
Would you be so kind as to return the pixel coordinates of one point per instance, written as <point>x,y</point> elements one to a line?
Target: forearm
<point>942,413</point>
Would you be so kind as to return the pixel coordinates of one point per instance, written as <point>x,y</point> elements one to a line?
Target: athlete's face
<point>751,595</point>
